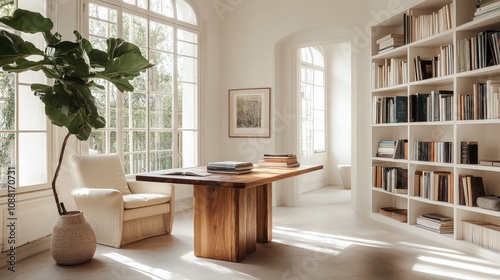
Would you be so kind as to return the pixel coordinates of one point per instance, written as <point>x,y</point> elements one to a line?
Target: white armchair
<point>120,211</point>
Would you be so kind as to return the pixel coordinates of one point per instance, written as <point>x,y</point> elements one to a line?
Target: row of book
<point>469,152</point>
<point>469,189</point>
<point>434,106</point>
<point>485,8</point>
<point>434,185</point>
<point>482,233</point>
<point>392,72</point>
<point>397,149</point>
<point>390,178</point>
<point>279,160</point>
<point>433,151</point>
<point>435,222</point>
<point>390,109</point>
<point>437,66</point>
<point>419,24</point>
<point>479,51</point>
<point>482,103</point>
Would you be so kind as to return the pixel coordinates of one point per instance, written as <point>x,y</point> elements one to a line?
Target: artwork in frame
<point>249,113</point>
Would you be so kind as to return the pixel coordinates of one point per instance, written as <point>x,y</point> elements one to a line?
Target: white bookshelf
<point>486,131</point>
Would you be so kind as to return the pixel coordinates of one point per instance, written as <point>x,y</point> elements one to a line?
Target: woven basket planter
<point>73,239</point>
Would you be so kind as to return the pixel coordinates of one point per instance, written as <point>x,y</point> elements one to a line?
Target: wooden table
<point>231,212</point>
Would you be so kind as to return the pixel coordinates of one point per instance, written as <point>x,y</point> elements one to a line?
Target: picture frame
<point>250,113</point>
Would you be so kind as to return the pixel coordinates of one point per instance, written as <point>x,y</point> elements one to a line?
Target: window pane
<point>188,69</point>
<point>319,78</point>
<point>162,7</point>
<point>188,109</point>
<point>135,30</point>
<point>160,140</point>
<point>134,141</point>
<point>97,142</point>
<point>135,110</point>
<point>31,110</point>
<point>185,12</point>
<point>134,163</point>
<point>7,156</point>
<point>189,149</point>
<point>160,160</point>
<point>319,140</point>
<point>32,159</point>
<point>161,74</point>
<point>7,101</point>
<point>160,108</point>
<point>161,36</point>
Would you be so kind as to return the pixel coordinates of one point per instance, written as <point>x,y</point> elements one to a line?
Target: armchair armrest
<point>103,209</point>
<point>151,187</point>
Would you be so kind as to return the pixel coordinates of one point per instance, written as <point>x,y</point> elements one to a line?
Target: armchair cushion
<point>106,172</point>
<point>132,201</point>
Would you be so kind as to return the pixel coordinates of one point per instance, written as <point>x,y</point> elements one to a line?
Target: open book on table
<point>186,172</point>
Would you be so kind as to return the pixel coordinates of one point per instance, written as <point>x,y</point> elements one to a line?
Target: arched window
<point>312,96</point>
<point>156,126</point>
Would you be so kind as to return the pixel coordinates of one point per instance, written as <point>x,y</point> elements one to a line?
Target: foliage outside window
<point>23,125</point>
<point>156,126</point>
<point>312,97</point>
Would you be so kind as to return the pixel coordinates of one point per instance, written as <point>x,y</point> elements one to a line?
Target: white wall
<point>249,61</point>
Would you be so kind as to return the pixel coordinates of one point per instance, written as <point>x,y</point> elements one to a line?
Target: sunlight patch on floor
<point>152,273</point>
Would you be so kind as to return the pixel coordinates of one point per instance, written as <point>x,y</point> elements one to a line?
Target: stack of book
<point>435,222</point>
<point>486,7</point>
<point>230,167</point>
<point>482,233</point>
<point>279,160</point>
<point>390,41</point>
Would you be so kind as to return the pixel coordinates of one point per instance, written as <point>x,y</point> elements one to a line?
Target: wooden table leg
<point>264,213</point>
<point>224,222</point>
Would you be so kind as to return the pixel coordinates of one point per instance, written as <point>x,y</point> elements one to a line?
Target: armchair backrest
<point>102,171</point>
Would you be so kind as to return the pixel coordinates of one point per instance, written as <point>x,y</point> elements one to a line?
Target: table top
<point>258,176</point>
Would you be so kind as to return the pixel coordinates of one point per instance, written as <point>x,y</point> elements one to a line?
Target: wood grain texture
<point>264,213</point>
<point>223,228</point>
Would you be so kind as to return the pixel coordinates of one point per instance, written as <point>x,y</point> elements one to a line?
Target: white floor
<point>319,239</point>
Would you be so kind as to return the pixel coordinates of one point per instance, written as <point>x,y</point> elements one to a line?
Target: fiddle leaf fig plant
<point>73,68</point>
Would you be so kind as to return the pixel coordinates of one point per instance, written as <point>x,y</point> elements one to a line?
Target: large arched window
<point>312,96</point>
<point>156,126</point>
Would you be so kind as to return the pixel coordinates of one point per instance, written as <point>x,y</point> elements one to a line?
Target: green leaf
<point>118,47</point>
<point>121,83</point>
<point>23,65</point>
<point>98,58</point>
<point>41,88</point>
<point>27,21</point>
<point>127,65</point>
<point>13,47</point>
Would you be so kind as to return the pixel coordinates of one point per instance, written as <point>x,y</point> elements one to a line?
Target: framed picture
<point>249,113</point>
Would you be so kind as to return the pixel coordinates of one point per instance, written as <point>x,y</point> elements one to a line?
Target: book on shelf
<point>434,185</point>
<point>390,42</point>
<point>481,233</point>
<point>231,167</point>
<point>486,8</point>
<point>419,24</point>
<point>473,188</point>
<point>443,224</point>
<point>390,178</point>
<point>482,102</point>
<point>489,162</point>
<point>433,151</point>
<point>186,172</point>
<point>469,152</point>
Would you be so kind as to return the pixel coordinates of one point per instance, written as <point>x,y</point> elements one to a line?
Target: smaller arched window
<point>312,97</point>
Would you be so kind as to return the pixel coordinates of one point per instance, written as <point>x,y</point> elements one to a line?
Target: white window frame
<point>177,24</point>
<point>314,67</point>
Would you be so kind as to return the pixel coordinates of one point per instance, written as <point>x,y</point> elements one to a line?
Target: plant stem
<point>56,174</point>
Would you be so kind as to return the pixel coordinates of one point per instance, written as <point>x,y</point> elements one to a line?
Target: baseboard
<point>183,204</point>
<point>24,251</point>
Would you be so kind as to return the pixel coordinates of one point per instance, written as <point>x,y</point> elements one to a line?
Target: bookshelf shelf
<point>455,83</point>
